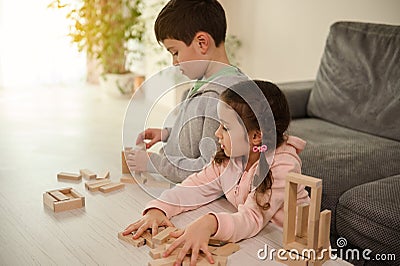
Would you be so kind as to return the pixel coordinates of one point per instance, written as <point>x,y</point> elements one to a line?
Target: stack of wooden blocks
<point>102,183</point>
<point>309,234</point>
<point>63,199</point>
<point>67,198</point>
<point>160,242</point>
<point>142,178</point>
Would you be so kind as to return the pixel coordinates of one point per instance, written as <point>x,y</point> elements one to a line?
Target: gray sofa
<point>350,118</point>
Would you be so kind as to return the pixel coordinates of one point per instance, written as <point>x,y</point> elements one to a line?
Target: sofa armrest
<point>297,94</point>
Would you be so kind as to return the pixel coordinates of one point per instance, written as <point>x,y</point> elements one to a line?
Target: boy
<point>193,31</point>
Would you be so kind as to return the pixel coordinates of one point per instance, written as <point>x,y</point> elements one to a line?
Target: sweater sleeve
<point>250,218</point>
<point>177,168</point>
<point>197,190</point>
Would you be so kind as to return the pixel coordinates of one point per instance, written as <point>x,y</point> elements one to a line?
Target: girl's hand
<point>152,219</point>
<point>195,237</point>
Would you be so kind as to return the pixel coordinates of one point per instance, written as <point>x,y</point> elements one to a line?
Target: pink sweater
<point>215,180</point>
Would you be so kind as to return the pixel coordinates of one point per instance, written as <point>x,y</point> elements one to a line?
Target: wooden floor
<point>48,130</point>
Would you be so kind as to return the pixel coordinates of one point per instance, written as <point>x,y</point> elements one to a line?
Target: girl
<point>246,145</point>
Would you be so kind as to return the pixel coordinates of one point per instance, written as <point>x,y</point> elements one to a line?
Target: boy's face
<point>190,59</point>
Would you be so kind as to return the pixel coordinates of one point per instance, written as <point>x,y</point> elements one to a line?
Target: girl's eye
<point>174,54</point>
<point>224,128</point>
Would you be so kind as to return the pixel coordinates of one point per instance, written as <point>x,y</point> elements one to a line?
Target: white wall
<point>283,40</point>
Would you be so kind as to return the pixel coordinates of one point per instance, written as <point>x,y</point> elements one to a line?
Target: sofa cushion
<point>368,216</point>
<point>343,158</point>
<point>358,81</point>
<point>297,94</point>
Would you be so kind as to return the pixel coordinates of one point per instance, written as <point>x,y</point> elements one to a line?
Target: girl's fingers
<point>171,248</point>
<point>177,233</point>
<point>181,255</point>
<point>195,255</point>
<point>168,223</point>
<point>208,254</point>
<point>131,228</point>
<point>154,229</point>
<point>140,231</point>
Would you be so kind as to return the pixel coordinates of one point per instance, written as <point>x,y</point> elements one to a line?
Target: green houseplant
<point>109,31</point>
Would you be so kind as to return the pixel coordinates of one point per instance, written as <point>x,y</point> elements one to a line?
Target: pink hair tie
<point>262,148</point>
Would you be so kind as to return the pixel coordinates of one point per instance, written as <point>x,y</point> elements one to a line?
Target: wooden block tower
<point>305,239</point>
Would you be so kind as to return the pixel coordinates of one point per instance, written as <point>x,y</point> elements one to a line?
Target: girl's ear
<point>202,40</point>
<point>256,137</point>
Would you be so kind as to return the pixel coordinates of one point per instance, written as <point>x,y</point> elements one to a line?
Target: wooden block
<point>124,165</point>
<point>67,205</point>
<point>140,178</point>
<point>69,176</point>
<point>287,259</point>
<point>220,260</point>
<point>301,240</point>
<point>149,241</point>
<point>324,229</point>
<point>63,199</point>
<point>156,253</point>
<point>125,170</point>
<point>96,184</point>
<point>290,212</point>
<point>76,194</point>
<point>135,242</point>
<point>86,173</point>
<point>216,243</point>
<point>226,250</point>
<point>168,261</point>
<point>58,195</point>
<point>163,236</point>
<point>170,240</point>
<point>111,187</point>
<point>160,228</point>
<point>106,175</point>
<point>150,181</point>
<point>169,243</point>
<point>308,181</point>
<point>49,200</point>
<point>128,179</point>
<point>302,219</point>
<point>203,261</point>
<point>211,248</point>
<point>320,258</point>
<point>176,251</point>
<point>313,218</point>
<point>296,245</point>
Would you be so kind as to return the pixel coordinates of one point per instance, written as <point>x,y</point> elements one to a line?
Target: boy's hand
<point>195,237</point>
<point>137,160</point>
<point>152,219</point>
<point>154,135</point>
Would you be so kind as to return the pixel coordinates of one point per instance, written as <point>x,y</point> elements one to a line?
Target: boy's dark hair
<point>280,110</point>
<point>182,19</point>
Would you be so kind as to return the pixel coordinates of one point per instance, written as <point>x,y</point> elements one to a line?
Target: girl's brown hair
<point>280,110</point>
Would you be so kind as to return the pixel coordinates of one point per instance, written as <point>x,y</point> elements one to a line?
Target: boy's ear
<point>202,40</point>
<point>256,137</point>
